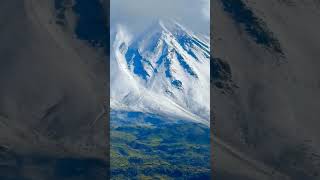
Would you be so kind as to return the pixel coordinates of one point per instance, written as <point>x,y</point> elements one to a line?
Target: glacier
<point>165,70</point>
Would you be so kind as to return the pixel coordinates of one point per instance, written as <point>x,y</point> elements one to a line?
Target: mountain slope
<point>164,70</point>
<point>271,52</point>
<point>51,96</point>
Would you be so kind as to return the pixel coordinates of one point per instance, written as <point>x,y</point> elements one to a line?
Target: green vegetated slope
<point>144,146</point>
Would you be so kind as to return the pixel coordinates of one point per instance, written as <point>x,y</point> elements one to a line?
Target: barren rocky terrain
<point>53,91</point>
<point>265,89</point>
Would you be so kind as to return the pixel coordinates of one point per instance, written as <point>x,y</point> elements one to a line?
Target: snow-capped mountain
<point>164,70</point>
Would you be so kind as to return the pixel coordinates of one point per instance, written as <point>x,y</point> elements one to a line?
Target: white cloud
<point>206,9</point>
<point>137,14</point>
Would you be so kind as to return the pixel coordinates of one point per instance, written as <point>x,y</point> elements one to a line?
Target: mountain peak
<point>167,61</point>
<point>169,25</point>
<point>166,23</point>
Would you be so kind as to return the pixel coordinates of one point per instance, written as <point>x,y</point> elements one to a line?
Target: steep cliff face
<point>269,114</point>
<point>53,92</point>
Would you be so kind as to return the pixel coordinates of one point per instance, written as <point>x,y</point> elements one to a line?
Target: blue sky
<point>138,14</point>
